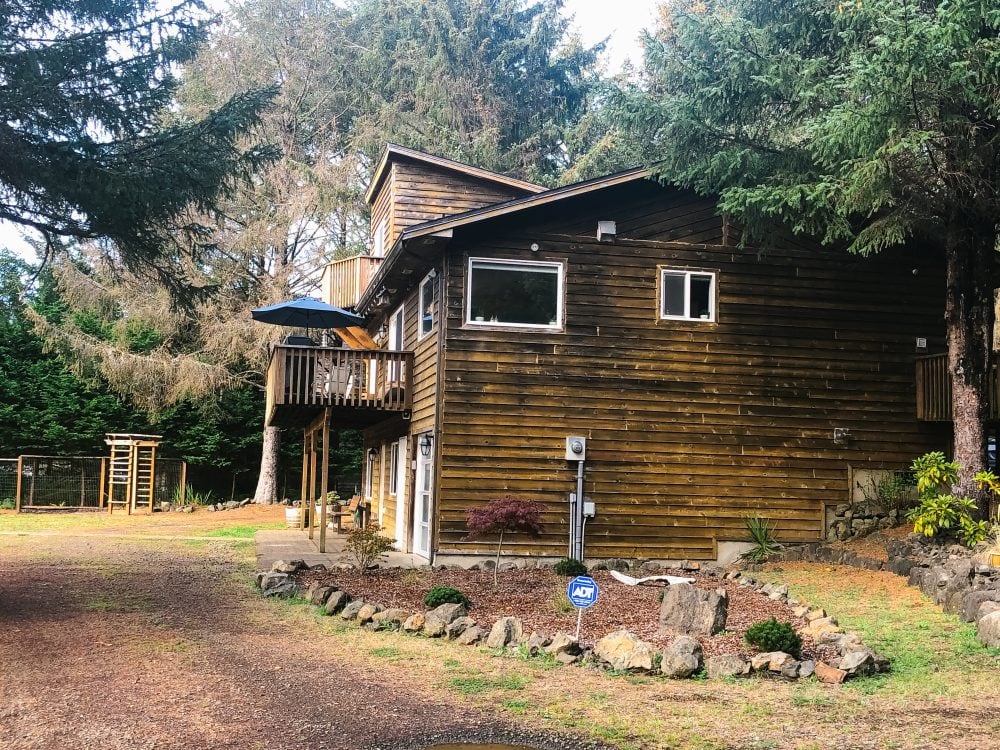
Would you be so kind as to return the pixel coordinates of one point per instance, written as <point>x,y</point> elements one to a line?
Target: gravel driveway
<point>126,643</point>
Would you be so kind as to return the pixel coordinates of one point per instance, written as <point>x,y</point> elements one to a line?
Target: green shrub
<point>771,635</point>
<point>366,544</point>
<point>445,595</point>
<point>934,473</point>
<point>7,503</point>
<point>570,567</point>
<point>944,515</point>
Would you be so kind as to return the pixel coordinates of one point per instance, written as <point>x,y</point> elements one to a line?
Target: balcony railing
<point>934,390</point>
<point>345,280</point>
<point>366,384</point>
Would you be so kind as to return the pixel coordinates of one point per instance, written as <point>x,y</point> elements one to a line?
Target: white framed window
<point>514,293</point>
<point>394,468</point>
<point>369,477</point>
<point>428,287</point>
<point>687,295</point>
<point>379,238</point>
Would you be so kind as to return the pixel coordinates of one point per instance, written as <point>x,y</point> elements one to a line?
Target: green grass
<point>239,532</point>
<point>931,653</point>
<point>478,684</point>
<point>385,652</point>
<point>114,603</point>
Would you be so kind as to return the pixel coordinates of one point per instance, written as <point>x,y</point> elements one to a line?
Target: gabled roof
<point>443,227</point>
<point>520,204</point>
<point>394,151</point>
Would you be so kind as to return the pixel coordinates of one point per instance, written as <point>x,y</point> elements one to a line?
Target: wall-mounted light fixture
<point>372,454</point>
<point>425,444</point>
<point>841,435</point>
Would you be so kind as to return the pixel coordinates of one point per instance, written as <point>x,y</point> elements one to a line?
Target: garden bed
<point>538,599</point>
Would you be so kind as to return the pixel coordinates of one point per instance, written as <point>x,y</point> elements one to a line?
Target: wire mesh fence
<point>8,482</point>
<point>76,481</point>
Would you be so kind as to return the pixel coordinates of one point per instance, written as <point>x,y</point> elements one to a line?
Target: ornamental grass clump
<point>507,514</point>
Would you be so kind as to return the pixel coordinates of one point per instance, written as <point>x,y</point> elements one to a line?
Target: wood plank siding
<point>691,425</point>
<point>414,193</point>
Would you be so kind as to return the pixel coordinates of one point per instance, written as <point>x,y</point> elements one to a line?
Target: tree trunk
<point>267,481</point>
<point>969,319</point>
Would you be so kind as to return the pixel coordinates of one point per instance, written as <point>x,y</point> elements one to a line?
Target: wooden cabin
<point>710,382</point>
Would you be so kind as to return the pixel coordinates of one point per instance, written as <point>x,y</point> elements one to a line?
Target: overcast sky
<point>620,21</point>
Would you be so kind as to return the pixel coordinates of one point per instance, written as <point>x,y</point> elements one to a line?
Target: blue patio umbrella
<point>306,312</point>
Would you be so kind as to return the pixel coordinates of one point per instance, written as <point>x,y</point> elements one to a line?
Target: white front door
<point>422,510</point>
<point>400,465</point>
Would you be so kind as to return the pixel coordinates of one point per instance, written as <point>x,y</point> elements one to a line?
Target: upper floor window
<point>380,237</point>
<point>427,288</point>
<point>687,295</point>
<point>521,293</point>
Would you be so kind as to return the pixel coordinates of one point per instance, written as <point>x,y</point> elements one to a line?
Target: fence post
<point>17,492</point>
<point>100,485</point>
<point>184,474</point>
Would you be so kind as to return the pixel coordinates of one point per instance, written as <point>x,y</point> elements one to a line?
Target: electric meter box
<point>576,448</point>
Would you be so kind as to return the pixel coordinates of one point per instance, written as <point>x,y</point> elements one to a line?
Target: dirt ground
<point>110,642</point>
<point>141,633</point>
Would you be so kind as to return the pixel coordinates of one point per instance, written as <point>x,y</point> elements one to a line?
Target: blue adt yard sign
<point>582,592</point>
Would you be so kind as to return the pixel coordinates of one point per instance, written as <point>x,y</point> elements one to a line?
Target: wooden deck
<point>344,280</point>
<point>361,386</point>
<point>934,390</point>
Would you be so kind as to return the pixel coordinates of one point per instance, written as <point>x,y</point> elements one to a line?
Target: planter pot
<point>293,517</point>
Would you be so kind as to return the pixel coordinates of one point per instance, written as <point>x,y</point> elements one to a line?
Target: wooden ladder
<point>120,477</point>
<point>143,473</point>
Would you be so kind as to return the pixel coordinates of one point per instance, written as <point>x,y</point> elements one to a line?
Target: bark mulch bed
<point>538,599</point>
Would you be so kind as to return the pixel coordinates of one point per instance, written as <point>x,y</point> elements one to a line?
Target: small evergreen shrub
<point>771,635</point>
<point>445,595</point>
<point>569,567</point>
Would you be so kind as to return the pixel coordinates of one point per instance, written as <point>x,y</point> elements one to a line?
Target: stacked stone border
<point>620,651</point>
<point>948,575</point>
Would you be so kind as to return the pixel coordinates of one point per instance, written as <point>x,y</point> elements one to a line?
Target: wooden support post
<point>133,460</point>
<point>312,482</point>
<point>324,487</point>
<point>34,475</point>
<point>184,482</point>
<point>17,491</point>
<point>83,481</point>
<point>152,474</point>
<point>305,479</point>
<point>100,483</point>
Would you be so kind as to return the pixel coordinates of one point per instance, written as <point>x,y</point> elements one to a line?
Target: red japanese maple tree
<point>506,514</point>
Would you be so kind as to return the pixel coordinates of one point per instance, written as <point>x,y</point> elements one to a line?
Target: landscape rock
<point>272,580</point>
<point>288,566</point>
<point>726,665</point>
<point>335,602</point>
<point>390,618</point>
<point>988,630</point>
<point>536,642</point>
<point>458,626</point>
<point>859,662</point>
<point>682,658</point>
<point>814,614</point>
<point>689,610</point>
<point>791,669</point>
<point>623,651</point>
<point>319,594</point>
<point>366,613</point>
<point>974,600</point>
<point>414,622</point>
<point>438,619</point>
<point>987,608</point>
<point>505,632</point>
<point>563,643</point>
<point>351,609</point>
<point>832,675</point>
<point>807,668</point>
<point>821,626</point>
<point>470,636</point>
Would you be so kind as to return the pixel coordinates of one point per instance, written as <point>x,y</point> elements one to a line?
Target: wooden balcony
<point>934,390</point>
<point>344,280</point>
<point>360,386</point>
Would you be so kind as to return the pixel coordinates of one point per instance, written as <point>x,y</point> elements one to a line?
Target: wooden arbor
<point>132,470</point>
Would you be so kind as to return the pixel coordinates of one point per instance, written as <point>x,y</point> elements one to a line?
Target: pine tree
<point>87,148</point>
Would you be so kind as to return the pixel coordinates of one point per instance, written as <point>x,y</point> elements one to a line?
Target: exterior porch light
<point>372,453</point>
<point>425,444</point>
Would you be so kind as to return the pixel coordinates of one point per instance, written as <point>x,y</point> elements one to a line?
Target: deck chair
<point>346,512</point>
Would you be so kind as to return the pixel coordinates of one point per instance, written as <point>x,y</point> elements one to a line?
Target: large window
<point>527,294</point>
<point>427,289</point>
<point>394,468</point>
<point>687,295</point>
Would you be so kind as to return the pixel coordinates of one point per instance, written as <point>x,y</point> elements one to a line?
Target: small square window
<point>525,294</point>
<point>687,295</point>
